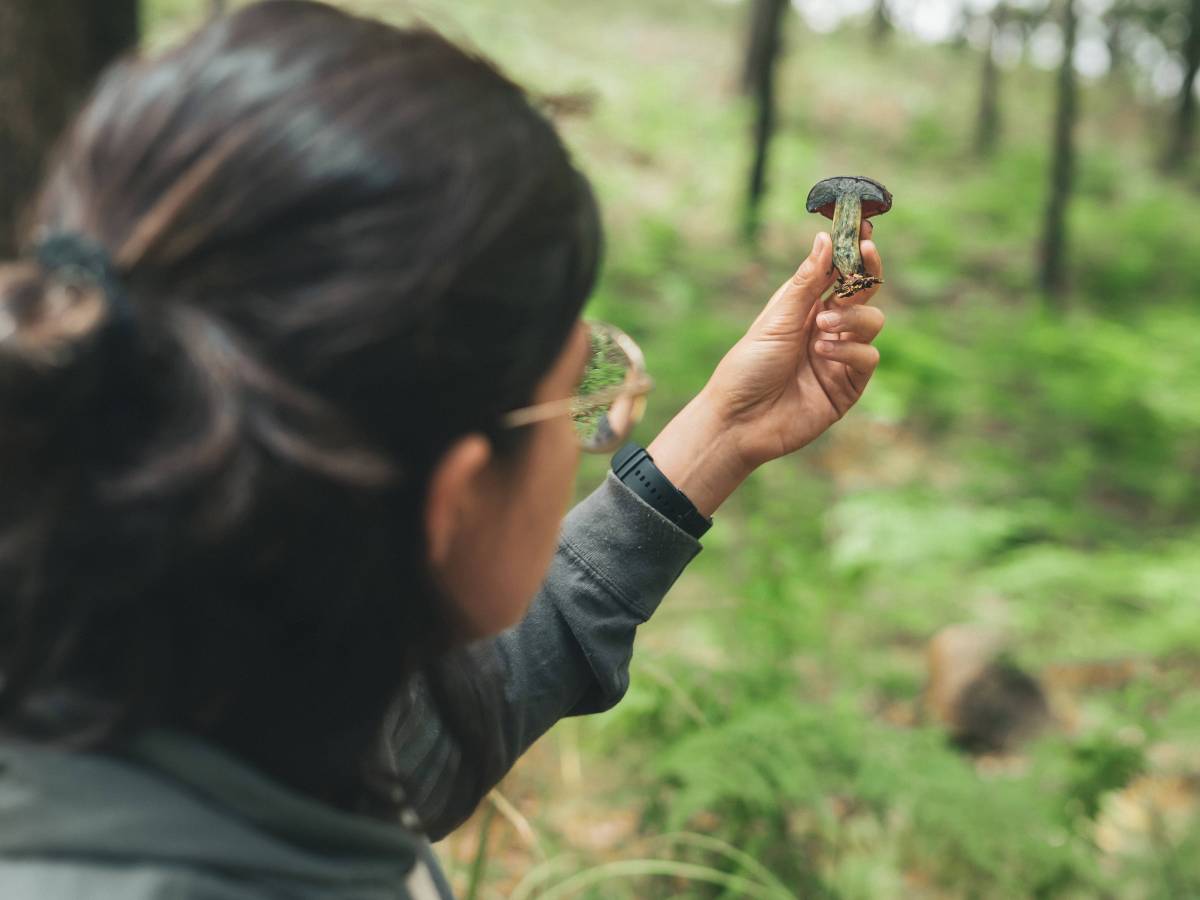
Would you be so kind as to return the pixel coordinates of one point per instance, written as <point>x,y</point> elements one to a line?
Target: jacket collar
<point>176,799</point>
<point>269,806</point>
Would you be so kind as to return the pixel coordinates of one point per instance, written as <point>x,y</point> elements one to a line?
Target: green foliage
<point>849,790</point>
<point>1099,765</point>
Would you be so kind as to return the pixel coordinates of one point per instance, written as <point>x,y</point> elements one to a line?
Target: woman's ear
<point>455,491</point>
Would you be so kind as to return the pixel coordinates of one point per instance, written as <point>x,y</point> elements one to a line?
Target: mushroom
<point>847,200</point>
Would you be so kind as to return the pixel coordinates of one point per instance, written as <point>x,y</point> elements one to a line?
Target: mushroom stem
<point>847,220</point>
<point>847,226</point>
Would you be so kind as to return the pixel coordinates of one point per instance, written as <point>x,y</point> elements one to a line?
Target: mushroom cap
<point>876,199</point>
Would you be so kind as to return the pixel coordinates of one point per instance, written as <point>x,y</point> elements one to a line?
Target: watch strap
<point>634,468</point>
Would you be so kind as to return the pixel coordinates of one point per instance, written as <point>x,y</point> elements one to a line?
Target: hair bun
<point>60,304</point>
<point>55,361</point>
<point>44,319</point>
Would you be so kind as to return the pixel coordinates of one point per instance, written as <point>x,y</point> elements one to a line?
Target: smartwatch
<point>636,470</point>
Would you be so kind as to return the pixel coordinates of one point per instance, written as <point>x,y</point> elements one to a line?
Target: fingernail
<point>816,242</point>
<point>829,320</point>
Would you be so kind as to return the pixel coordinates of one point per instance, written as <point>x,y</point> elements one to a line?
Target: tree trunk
<point>881,21</point>
<point>1184,134</point>
<point>962,29</point>
<point>762,55</point>
<point>216,8</point>
<point>1115,38</point>
<point>1054,242</point>
<point>763,43</point>
<point>987,129</point>
<point>50,54</point>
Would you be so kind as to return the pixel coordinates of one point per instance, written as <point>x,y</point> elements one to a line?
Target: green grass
<point>1036,471</point>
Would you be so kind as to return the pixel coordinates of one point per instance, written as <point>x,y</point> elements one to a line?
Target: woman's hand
<point>802,364</point>
<point>799,369</point>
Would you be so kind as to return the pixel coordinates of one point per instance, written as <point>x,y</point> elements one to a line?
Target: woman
<point>286,382</point>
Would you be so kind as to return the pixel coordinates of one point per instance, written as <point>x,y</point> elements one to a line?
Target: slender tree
<point>960,40</point>
<point>1116,20</point>
<point>1054,240</point>
<point>1183,134</point>
<point>987,128</point>
<point>762,56</point>
<point>881,21</point>
<point>50,53</point>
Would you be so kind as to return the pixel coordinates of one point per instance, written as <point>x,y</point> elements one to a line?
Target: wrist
<point>698,453</point>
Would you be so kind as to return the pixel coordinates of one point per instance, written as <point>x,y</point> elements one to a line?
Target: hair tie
<point>76,259</point>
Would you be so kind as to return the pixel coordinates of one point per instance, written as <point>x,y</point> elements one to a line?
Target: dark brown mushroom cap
<point>876,199</point>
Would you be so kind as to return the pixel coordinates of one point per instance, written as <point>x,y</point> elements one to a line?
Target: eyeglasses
<point>611,398</point>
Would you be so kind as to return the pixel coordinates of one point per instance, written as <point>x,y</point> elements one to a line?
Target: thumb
<point>789,311</point>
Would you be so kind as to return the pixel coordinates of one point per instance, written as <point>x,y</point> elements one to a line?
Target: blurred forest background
<point>1026,463</point>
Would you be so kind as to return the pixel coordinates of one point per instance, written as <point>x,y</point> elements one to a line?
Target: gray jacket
<point>181,819</point>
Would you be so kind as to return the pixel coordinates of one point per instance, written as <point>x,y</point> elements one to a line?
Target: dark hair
<point>343,245</point>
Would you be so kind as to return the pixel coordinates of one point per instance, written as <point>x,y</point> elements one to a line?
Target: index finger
<point>790,307</point>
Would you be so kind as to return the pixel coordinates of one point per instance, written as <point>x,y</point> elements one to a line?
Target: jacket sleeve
<point>616,560</point>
